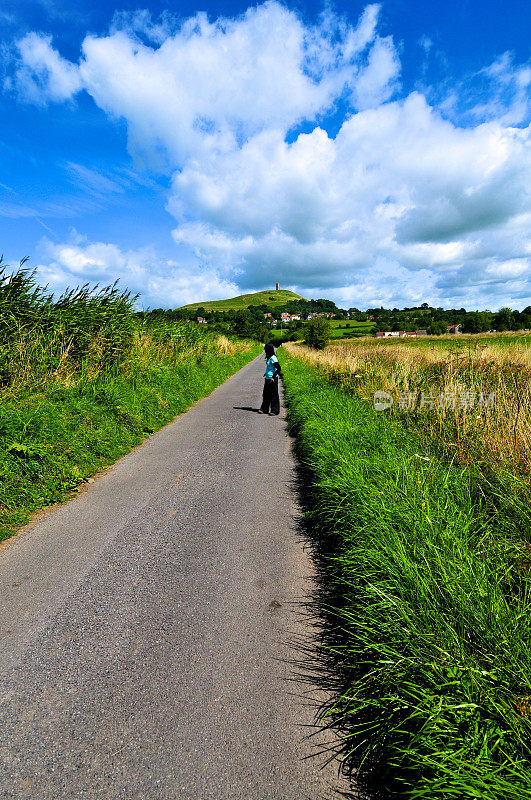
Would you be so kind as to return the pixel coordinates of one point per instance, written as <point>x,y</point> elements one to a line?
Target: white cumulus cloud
<point>403,189</point>
<point>157,281</point>
<point>43,74</point>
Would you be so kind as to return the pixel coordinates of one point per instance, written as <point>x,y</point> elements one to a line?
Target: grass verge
<point>53,438</point>
<point>427,646</point>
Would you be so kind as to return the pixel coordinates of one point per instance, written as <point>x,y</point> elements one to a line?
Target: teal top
<point>270,367</point>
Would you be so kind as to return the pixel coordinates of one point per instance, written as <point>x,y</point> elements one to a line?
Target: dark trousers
<point>270,397</point>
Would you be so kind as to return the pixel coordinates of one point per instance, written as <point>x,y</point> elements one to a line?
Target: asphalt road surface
<point>145,625</point>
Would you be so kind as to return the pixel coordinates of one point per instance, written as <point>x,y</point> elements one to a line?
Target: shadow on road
<point>247,408</point>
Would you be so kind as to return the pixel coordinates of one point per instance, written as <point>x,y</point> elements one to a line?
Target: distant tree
<point>478,321</point>
<point>317,333</point>
<point>262,332</point>
<point>505,320</point>
<point>241,324</point>
<point>524,318</point>
<point>437,327</point>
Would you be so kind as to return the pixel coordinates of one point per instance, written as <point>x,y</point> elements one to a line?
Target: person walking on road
<point>270,397</point>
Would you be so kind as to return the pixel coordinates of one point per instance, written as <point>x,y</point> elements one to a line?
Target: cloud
<point>93,181</point>
<point>499,91</point>
<point>158,281</point>
<point>44,75</point>
<point>377,81</point>
<point>211,85</point>
<point>398,182</point>
<point>101,182</point>
<point>509,91</point>
<point>140,23</point>
<point>435,194</point>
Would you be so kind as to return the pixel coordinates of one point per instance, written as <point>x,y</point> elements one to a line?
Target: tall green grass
<point>425,598</point>
<point>83,380</point>
<point>40,336</point>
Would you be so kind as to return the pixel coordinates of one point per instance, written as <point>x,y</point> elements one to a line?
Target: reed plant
<point>83,378</point>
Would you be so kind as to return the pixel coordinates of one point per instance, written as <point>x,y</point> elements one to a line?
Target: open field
<point>349,323</point>
<point>338,328</point>
<point>421,520</point>
<point>271,297</point>
<point>462,340</point>
<point>485,438</point>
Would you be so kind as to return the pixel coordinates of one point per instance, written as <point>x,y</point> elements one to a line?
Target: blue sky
<point>371,153</point>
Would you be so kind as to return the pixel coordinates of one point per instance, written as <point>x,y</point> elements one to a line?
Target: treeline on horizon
<point>251,322</point>
<point>76,315</point>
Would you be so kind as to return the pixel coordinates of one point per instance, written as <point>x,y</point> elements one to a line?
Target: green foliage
<point>425,603</point>
<point>505,320</point>
<point>317,333</point>
<point>52,441</point>
<point>224,313</point>
<point>245,316</point>
<point>437,320</point>
<point>83,327</point>
<point>438,327</point>
<point>478,322</point>
<point>84,380</point>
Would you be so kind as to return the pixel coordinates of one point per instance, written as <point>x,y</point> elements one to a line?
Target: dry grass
<point>228,347</point>
<point>453,383</point>
<point>36,360</point>
<point>149,348</point>
<point>451,339</point>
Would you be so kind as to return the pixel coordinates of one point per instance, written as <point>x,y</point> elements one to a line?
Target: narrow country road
<point>143,625</point>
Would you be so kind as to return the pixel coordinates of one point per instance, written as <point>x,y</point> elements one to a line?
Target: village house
<point>201,321</point>
<point>268,316</point>
<point>457,328</point>
<point>400,334</point>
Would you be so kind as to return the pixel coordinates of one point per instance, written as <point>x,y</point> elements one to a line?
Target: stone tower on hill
<point>277,287</point>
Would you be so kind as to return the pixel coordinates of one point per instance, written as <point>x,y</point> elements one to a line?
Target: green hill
<point>271,297</point>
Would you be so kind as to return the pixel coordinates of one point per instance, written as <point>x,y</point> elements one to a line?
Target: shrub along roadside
<point>54,438</point>
<point>427,647</point>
